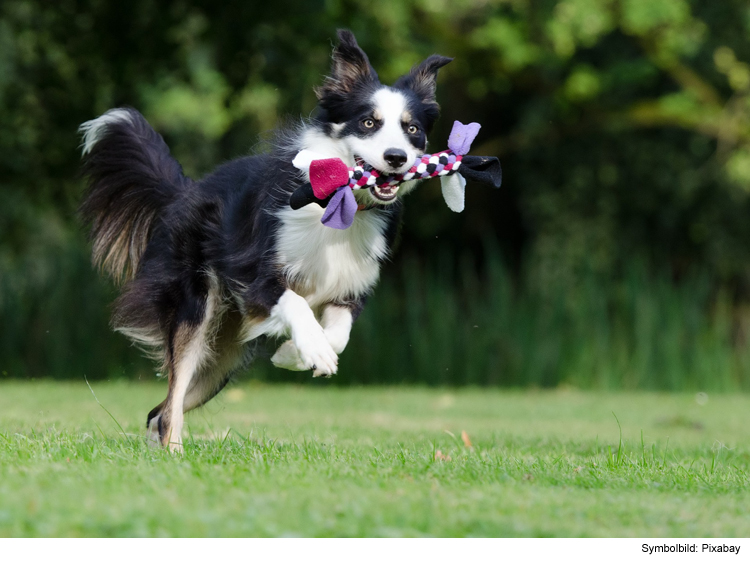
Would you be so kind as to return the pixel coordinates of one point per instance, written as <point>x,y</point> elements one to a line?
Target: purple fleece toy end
<point>461,137</point>
<point>340,211</point>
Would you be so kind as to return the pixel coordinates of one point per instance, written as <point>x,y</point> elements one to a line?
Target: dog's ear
<point>422,79</point>
<point>350,67</point>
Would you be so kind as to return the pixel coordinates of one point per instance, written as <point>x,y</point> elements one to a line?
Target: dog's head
<point>385,126</point>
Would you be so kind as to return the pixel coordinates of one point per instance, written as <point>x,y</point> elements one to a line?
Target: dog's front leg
<point>337,325</point>
<point>309,347</point>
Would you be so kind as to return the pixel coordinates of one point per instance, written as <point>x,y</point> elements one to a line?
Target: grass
<point>324,461</point>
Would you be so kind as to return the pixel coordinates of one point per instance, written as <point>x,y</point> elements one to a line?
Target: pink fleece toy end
<point>327,175</point>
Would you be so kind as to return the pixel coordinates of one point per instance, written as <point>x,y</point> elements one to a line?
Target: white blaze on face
<point>390,107</point>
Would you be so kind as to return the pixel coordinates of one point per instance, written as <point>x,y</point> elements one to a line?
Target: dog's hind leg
<point>229,356</point>
<point>152,424</point>
<point>212,379</point>
<point>187,352</point>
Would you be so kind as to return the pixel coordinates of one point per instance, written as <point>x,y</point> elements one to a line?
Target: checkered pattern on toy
<point>429,165</point>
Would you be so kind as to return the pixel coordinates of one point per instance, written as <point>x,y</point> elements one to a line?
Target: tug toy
<point>332,182</point>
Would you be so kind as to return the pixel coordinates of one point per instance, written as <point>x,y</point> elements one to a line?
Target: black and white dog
<point>211,266</point>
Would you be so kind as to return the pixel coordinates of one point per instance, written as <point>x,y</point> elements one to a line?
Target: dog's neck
<point>314,140</point>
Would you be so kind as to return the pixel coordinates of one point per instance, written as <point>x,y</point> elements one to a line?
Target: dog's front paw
<point>287,357</point>
<point>321,373</point>
<point>316,353</point>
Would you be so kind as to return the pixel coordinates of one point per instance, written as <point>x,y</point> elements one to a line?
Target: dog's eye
<point>368,123</point>
<point>412,129</point>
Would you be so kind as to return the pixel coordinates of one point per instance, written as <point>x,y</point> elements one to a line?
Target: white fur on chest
<point>324,264</point>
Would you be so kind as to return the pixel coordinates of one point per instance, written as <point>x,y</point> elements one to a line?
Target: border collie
<point>210,267</point>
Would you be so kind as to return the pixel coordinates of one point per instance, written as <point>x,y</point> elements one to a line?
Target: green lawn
<point>289,461</point>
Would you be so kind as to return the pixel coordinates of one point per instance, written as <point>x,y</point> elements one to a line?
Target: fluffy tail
<point>131,178</point>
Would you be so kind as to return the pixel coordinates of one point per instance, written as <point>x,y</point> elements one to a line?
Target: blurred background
<point>615,256</point>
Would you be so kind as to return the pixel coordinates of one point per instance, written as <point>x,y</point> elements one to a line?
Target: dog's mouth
<point>384,194</point>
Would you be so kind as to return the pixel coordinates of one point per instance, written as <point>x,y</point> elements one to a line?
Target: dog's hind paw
<point>153,438</point>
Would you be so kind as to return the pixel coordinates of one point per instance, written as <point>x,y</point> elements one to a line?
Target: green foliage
<point>623,127</point>
<point>291,461</point>
<point>639,332</point>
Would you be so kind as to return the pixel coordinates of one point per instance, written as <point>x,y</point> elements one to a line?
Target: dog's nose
<point>395,157</point>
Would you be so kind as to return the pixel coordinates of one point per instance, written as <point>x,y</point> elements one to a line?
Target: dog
<point>208,269</point>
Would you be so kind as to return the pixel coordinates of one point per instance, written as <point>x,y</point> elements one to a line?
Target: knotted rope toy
<point>332,182</point>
